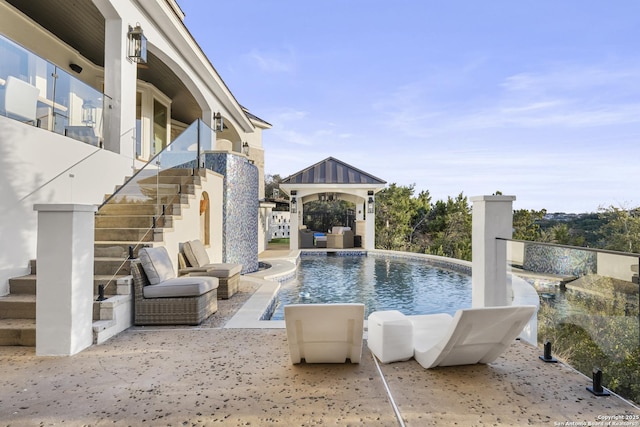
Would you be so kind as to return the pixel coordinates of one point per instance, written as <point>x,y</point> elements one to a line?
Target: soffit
<point>80,24</point>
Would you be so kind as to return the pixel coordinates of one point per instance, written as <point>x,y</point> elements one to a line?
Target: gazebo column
<point>294,225</point>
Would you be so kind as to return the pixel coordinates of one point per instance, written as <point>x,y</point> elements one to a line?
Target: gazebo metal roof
<point>332,171</point>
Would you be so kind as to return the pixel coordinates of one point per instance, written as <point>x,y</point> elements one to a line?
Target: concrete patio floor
<point>209,375</point>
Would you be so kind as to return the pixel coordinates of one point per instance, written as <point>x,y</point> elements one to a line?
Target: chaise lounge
<point>473,335</point>
<point>194,261</point>
<point>161,298</point>
<point>324,333</point>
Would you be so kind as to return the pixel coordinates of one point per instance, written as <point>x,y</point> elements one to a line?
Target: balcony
<point>39,93</point>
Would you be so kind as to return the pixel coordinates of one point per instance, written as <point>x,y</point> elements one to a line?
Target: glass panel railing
<point>149,196</point>
<point>589,308</point>
<point>35,91</point>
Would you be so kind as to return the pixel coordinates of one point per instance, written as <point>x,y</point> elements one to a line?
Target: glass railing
<point>589,308</point>
<point>143,203</point>
<point>35,91</point>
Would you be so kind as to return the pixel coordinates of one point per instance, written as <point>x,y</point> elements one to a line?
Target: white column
<point>294,226</point>
<point>120,76</point>
<point>64,286</point>
<point>369,240</point>
<point>492,218</point>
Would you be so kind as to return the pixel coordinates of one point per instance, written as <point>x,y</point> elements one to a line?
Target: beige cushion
<point>196,253</point>
<point>181,287</point>
<point>156,264</point>
<point>223,269</point>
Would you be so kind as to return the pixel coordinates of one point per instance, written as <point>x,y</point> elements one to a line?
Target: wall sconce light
<point>245,148</point>
<point>218,122</point>
<point>137,45</point>
<point>294,202</point>
<point>75,68</point>
<point>88,113</point>
<point>370,203</point>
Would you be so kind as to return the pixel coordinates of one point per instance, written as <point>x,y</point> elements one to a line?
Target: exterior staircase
<point>120,230</point>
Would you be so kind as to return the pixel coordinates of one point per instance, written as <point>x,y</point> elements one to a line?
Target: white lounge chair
<point>475,335</point>
<point>324,333</point>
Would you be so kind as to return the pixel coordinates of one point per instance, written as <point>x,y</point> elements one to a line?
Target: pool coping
<point>250,315</point>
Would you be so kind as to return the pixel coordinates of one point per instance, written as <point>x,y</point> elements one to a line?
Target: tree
<point>621,231</point>
<point>271,183</point>
<point>450,228</point>
<point>526,224</point>
<point>322,215</point>
<point>421,206</point>
<point>393,217</point>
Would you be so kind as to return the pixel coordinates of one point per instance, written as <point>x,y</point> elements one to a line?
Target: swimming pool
<point>410,286</point>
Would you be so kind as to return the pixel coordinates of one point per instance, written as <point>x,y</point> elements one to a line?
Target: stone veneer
<point>240,208</point>
<point>558,260</point>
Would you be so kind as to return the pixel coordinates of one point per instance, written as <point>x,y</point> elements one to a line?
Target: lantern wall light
<point>370,202</point>
<point>294,202</point>
<point>137,51</point>
<point>218,122</point>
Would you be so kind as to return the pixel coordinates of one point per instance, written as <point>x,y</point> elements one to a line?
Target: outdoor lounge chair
<point>324,333</point>
<point>162,299</point>
<point>194,261</point>
<point>474,335</point>
<point>340,238</point>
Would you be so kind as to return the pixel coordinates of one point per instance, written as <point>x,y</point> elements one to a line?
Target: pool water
<point>410,286</point>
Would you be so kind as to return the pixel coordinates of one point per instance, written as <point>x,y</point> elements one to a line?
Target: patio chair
<point>161,298</point>
<point>193,260</point>
<point>474,335</point>
<point>324,333</point>
<point>340,238</point>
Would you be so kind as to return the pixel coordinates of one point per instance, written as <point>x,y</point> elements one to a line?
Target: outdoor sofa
<point>161,298</point>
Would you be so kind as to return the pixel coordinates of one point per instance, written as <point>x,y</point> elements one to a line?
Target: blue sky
<point>537,99</point>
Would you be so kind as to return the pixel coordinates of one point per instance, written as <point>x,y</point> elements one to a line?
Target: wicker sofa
<point>340,238</point>
<point>160,298</point>
<point>194,261</point>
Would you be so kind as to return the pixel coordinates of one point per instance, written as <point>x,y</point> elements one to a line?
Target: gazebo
<point>334,178</point>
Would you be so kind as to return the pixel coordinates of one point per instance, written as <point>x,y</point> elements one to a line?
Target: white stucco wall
<point>187,225</point>
<point>37,166</point>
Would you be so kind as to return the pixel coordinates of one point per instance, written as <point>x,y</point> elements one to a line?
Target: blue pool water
<point>410,286</point>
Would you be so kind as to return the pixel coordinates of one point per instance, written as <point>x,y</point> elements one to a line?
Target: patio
<point>209,375</point>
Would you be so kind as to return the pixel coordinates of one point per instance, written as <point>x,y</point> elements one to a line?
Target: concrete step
<point>118,249</point>
<point>110,267</point>
<point>128,234</point>
<point>18,307</point>
<point>25,285</point>
<point>153,189</point>
<point>150,199</point>
<point>132,221</point>
<point>18,332</point>
<point>132,209</point>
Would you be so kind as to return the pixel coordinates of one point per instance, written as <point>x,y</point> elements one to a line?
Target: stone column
<point>64,286</point>
<point>492,218</point>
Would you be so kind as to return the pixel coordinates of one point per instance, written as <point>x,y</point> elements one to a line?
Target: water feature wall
<point>240,208</point>
<point>559,260</point>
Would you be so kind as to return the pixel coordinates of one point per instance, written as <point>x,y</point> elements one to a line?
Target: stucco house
<point>92,91</point>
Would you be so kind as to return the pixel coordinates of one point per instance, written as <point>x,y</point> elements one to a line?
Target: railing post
<point>492,219</point>
<point>198,146</point>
